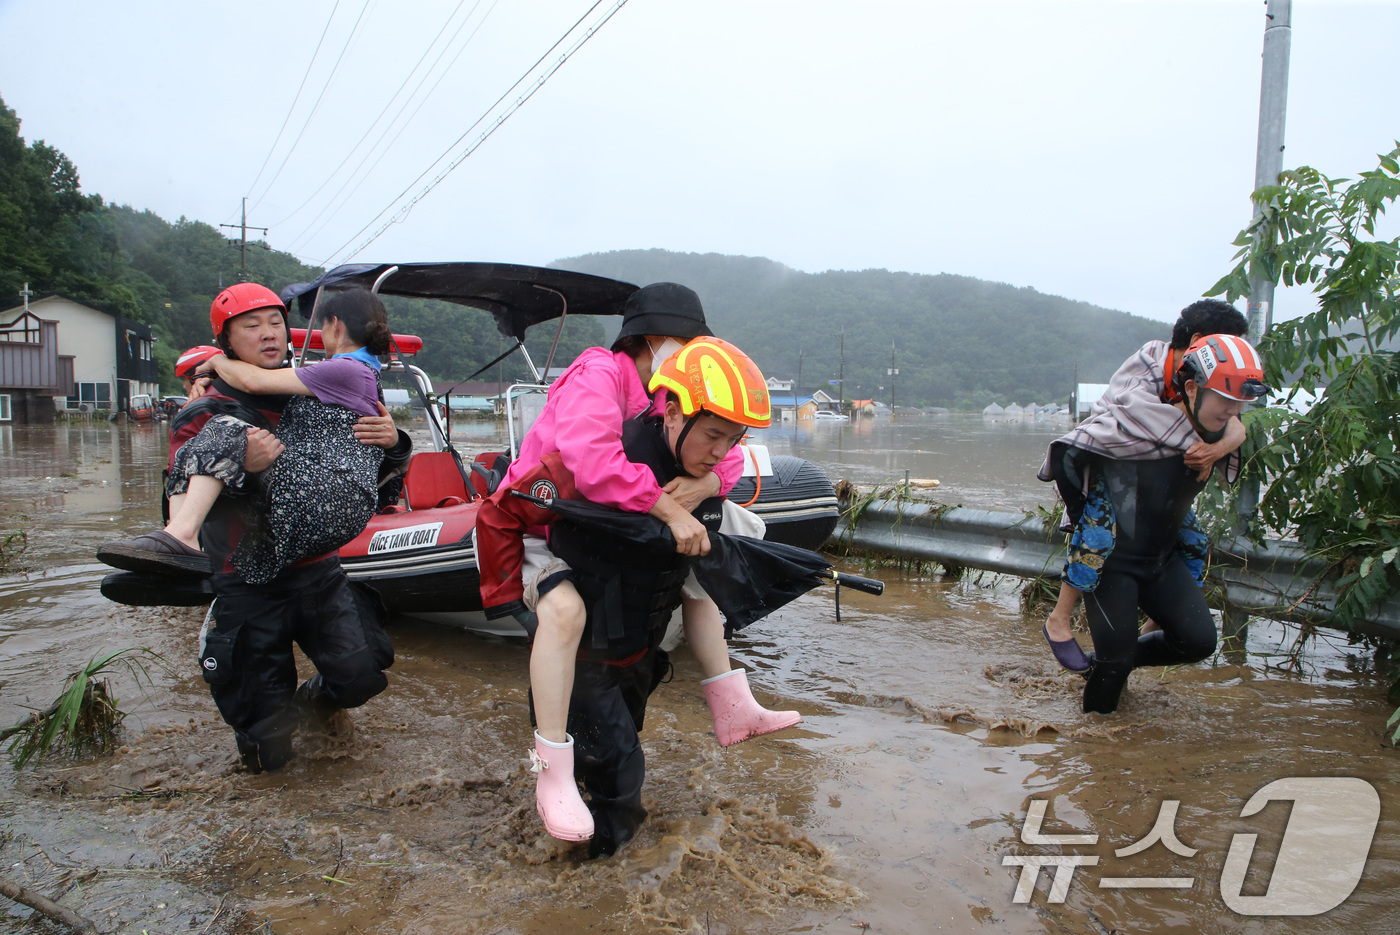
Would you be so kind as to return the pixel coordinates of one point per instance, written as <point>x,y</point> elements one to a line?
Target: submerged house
<point>96,360</point>
<point>32,372</point>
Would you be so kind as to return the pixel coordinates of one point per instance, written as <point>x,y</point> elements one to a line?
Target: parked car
<point>141,408</point>
<point>824,415</point>
<point>169,405</point>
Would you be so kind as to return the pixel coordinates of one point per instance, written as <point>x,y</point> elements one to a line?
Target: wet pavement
<point>933,718</point>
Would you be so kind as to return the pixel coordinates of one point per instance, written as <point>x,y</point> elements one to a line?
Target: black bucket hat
<point>664,308</point>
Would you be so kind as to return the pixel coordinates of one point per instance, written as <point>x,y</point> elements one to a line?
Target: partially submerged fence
<point>1277,581</point>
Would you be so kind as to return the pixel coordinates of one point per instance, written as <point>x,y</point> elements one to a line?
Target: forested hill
<point>958,341</point>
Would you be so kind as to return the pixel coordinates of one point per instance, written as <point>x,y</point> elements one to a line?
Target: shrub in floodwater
<point>1038,595</point>
<point>85,715</point>
<point>12,546</point>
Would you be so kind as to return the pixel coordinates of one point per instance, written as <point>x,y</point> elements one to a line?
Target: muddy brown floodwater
<point>933,718</point>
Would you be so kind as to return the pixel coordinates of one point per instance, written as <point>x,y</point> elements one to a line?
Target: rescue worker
<point>1144,501</point>
<point>190,363</point>
<point>1146,376</point>
<point>709,392</point>
<point>247,656</point>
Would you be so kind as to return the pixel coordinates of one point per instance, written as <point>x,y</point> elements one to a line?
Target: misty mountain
<point>957,341</point>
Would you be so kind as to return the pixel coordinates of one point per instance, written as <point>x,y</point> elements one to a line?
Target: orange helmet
<point>190,360</point>
<point>1227,364</point>
<point>714,376</point>
<point>239,298</point>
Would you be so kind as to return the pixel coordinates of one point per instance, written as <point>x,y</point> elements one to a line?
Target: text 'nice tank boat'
<point>419,553</point>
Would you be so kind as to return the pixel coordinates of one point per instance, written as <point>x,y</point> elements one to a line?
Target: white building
<point>113,357</point>
<point>1085,395</point>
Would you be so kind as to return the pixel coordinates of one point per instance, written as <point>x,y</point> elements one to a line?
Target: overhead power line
<point>495,124</point>
<point>308,233</point>
<point>296,97</point>
<point>375,122</point>
<point>320,97</point>
<point>310,230</point>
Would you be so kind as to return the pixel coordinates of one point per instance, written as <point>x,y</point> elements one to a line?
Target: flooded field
<point>934,717</point>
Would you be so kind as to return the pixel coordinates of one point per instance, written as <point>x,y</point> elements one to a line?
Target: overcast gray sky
<point>1101,151</point>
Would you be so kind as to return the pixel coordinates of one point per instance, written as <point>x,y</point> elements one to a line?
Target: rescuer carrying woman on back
<point>707,393</point>
<point>1141,503</point>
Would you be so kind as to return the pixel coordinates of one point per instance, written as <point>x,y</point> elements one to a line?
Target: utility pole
<point>242,242</point>
<point>894,372</point>
<point>1268,158</point>
<point>797,387</point>
<point>1268,163</point>
<point>1074,396</point>
<point>841,374</point>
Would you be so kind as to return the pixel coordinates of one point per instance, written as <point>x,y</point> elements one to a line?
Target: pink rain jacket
<point>582,420</point>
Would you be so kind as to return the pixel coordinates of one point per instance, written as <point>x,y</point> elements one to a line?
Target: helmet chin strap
<point>1194,413</point>
<point>680,439</point>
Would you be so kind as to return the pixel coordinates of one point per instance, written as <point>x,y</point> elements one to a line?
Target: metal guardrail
<point>1277,581</point>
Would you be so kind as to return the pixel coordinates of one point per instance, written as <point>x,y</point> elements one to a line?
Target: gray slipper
<point>155,551</point>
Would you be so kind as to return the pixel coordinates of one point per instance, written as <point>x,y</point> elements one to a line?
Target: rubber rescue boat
<point>419,553</point>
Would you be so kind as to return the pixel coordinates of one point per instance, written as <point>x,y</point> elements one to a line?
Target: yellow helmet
<point>714,376</point>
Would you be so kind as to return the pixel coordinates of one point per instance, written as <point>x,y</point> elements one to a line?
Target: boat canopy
<point>518,297</point>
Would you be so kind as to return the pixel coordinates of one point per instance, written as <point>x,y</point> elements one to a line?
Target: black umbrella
<point>748,578</point>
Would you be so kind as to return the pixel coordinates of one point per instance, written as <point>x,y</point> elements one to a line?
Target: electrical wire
<point>354,30</point>
<point>307,233</point>
<point>520,102</point>
<point>296,97</point>
<point>389,103</point>
<point>305,237</point>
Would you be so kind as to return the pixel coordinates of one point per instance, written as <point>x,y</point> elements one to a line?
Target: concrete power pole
<point>797,387</point>
<point>1268,163</point>
<point>242,242</point>
<point>892,374</point>
<point>1268,158</point>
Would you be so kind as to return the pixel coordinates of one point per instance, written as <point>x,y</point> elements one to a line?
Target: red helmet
<point>240,298</point>
<point>189,361</point>
<point>1227,364</point>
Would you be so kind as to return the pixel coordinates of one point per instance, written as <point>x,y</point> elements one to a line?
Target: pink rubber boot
<point>738,717</point>
<point>556,794</point>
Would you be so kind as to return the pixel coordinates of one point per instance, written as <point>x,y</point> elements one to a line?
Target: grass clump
<point>85,715</point>
<point>12,546</point>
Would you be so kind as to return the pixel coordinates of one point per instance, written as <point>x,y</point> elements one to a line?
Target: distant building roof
<point>993,410</point>
<point>820,395</point>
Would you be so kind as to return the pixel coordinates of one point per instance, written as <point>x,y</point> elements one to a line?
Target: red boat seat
<point>434,480</point>
<point>491,461</point>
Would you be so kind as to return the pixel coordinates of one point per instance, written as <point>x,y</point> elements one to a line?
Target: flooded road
<point>933,717</point>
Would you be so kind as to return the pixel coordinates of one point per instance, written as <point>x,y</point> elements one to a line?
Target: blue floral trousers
<point>1093,539</point>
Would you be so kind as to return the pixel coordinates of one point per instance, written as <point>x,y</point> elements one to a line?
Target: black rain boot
<point>310,707</point>
<point>265,755</point>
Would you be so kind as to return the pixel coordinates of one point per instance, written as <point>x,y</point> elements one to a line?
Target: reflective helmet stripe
<point>1233,347</point>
